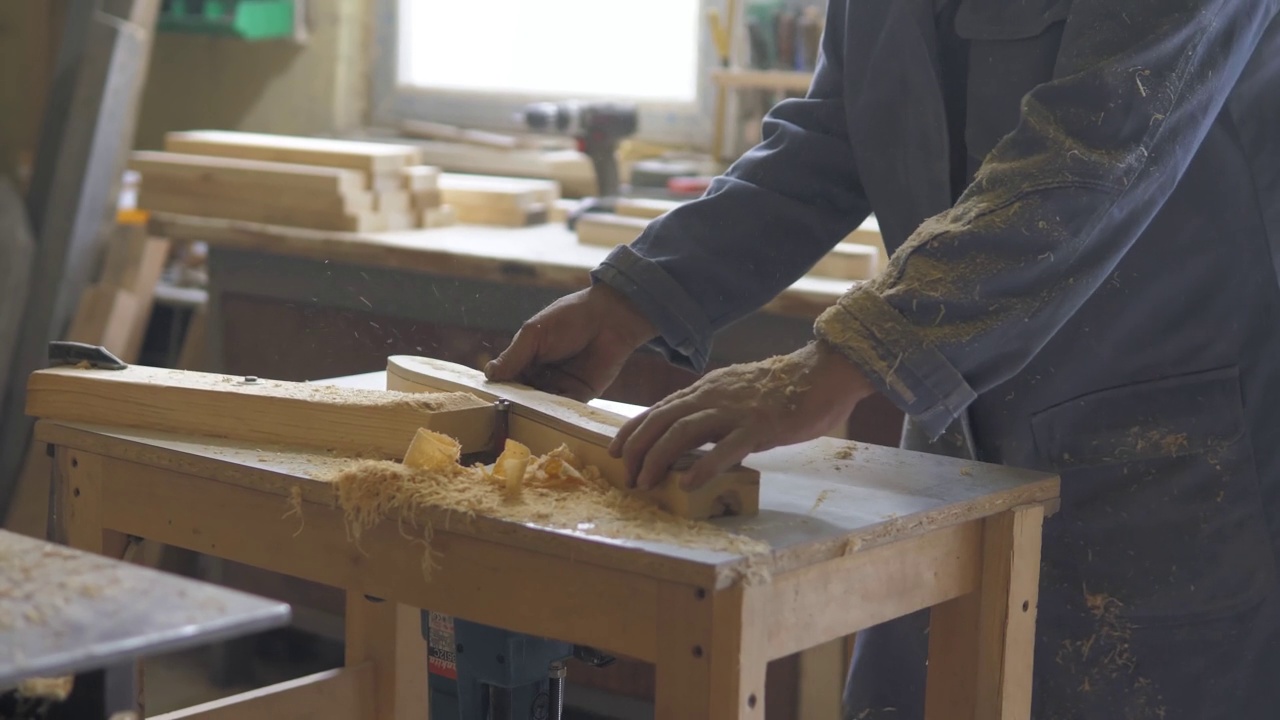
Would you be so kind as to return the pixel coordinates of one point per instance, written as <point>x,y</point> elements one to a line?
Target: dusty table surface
<point>64,611</point>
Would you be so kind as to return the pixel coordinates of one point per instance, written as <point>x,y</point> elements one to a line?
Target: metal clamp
<point>62,352</point>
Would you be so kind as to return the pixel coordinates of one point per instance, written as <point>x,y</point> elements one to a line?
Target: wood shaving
<point>295,508</point>
<point>57,688</point>
<point>557,491</point>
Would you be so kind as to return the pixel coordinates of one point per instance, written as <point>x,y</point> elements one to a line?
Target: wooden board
<point>266,411</point>
<point>262,210</point>
<point>498,216</point>
<point>848,261</point>
<point>609,230</point>
<point>505,192</point>
<point>367,156</point>
<point>267,175</point>
<point>393,201</point>
<point>438,217</point>
<point>216,188</point>
<point>648,208</point>
<point>420,177</point>
<point>570,168</point>
<point>587,431</point>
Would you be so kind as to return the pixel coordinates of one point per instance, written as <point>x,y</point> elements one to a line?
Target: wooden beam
<point>371,157</point>
<point>261,210</point>
<point>510,192</point>
<point>544,422</point>
<point>341,693</point>
<point>609,230</point>
<point>848,261</point>
<point>264,411</point>
<point>221,171</point>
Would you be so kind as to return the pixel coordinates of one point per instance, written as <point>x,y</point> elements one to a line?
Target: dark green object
<point>245,19</point>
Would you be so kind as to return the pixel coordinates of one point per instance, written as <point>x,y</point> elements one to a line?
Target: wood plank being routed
<point>377,423</point>
<point>543,421</point>
<point>367,156</point>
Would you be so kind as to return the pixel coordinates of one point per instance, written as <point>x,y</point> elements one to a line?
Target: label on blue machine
<point>442,658</point>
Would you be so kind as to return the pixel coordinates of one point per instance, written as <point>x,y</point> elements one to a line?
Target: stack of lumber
<point>503,201</point>
<point>315,183</point>
<point>857,257</point>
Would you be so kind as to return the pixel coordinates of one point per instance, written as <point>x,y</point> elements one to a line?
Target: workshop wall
<point>269,86</point>
<point>28,32</point>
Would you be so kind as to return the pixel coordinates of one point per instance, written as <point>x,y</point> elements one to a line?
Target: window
<point>476,63</point>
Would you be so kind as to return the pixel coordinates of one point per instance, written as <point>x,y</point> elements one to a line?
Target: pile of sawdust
<point>557,491</point>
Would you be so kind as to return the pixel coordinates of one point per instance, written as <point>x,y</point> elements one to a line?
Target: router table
<point>860,534</point>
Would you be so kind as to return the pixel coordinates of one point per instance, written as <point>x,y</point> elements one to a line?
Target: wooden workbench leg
<point>390,636</point>
<point>712,653</point>
<point>77,522</point>
<point>981,645</point>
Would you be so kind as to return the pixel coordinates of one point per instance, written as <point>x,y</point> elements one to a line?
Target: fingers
<point>518,356</point>
<point>682,436</point>
<point>634,440</point>
<point>728,452</point>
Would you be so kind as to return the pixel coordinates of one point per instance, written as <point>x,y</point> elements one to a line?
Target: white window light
<point>643,50</point>
<point>475,62</point>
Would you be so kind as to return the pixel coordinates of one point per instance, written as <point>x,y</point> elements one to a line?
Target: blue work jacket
<point>1100,301</point>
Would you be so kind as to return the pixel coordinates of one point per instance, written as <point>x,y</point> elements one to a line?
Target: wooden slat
<point>367,156</point>
<point>469,214</point>
<point>421,177</point>
<point>341,693</point>
<point>609,230</point>
<point>649,208</point>
<point>544,422</point>
<point>266,174</point>
<point>266,411</point>
<point>248,188</point>
<point>506,192</point>
<point>263,210</point>
<point>848,261</point>
<point>571,169</point>
<point>392,201</point>
<point>438,217</point>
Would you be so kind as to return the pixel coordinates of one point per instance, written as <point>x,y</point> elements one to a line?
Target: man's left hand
<point>742,409</point>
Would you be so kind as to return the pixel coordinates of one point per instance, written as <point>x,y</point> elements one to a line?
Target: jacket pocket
<point>1161,505</point>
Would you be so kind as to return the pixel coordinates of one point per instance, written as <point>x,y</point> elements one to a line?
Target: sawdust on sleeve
<point>557,491</point>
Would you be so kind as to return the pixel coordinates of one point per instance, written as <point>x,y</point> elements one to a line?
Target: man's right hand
<point>576,346</point>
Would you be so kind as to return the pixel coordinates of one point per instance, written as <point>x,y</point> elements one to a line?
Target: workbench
<point>859,534</point>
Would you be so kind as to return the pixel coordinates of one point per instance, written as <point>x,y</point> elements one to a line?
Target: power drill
<point>598,127</point>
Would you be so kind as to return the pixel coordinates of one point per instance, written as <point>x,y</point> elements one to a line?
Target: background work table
<point>297,304</point>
